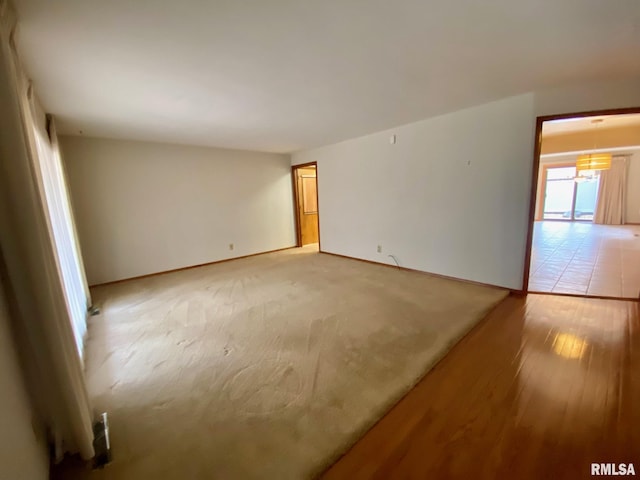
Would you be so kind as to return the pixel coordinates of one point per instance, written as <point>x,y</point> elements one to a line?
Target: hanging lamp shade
<point>594,161</point>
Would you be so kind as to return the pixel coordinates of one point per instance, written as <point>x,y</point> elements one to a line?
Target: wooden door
<point>307,199</point>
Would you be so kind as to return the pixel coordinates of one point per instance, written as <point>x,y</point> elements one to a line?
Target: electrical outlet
<point>231,246</point>
<point>379,248</point>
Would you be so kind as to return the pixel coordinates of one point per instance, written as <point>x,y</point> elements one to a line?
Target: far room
<point>586,237</point>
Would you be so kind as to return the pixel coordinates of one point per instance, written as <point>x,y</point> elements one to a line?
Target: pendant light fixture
<point>594,161</point>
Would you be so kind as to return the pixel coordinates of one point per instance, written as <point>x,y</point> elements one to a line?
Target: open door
<point>583,228</point>
<point>305,186</point>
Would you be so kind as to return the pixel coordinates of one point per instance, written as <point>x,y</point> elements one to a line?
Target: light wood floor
<point>545,386</point>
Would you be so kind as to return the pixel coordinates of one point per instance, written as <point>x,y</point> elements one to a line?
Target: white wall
<point>589,96</point>
<point>146,207</point>
<point>23,454</point>
<point>450,197</point>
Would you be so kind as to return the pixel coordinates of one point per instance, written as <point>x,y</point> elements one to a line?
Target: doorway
<point>584,230</point>
<point>305,193</point>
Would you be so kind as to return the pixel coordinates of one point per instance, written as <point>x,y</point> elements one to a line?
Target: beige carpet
<point>266,367</point>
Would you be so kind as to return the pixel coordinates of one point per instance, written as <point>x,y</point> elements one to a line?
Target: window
<point>567,197</point>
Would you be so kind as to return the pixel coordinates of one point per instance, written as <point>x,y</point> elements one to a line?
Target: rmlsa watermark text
<point>613,469</point>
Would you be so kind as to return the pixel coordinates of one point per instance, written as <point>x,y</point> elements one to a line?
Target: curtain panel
<point>612,193</point>
<point>55,199</point>
<point>32,271</point>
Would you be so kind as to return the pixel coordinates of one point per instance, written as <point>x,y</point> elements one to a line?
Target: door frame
<point>533,196</point>
<point>296,197</point>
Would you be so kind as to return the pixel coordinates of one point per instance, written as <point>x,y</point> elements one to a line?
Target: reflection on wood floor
<point>545,386</point>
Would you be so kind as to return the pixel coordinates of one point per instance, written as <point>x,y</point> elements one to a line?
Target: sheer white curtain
<point>612,193</point>
<point>63,234</point>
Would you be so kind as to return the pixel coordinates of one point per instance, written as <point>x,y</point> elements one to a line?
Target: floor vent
<point>101,443</point>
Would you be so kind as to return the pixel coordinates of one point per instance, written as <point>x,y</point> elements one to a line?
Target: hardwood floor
<point>545,386</point>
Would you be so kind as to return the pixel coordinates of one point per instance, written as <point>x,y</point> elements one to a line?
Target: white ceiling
<point>281,75</point>
<point>575,125</point>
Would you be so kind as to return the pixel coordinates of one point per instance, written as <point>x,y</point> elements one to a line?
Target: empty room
<point>587,218</point>
<point>341,240</point>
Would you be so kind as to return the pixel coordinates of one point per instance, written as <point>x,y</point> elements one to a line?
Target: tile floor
<point>584,258</point>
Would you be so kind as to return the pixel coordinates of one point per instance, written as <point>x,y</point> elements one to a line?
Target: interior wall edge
<point>422,271</point>
<point>215,262</point>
